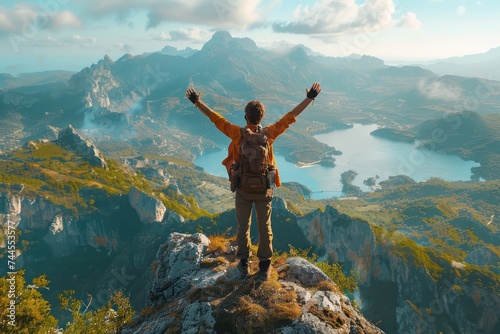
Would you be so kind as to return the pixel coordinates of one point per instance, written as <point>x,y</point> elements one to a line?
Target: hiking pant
<point>263,207</point>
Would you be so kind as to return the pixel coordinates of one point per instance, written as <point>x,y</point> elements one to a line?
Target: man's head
<point>254,112</point>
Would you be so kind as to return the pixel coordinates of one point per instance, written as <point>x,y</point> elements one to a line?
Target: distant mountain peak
<point>173,51</point>
<point>298,53</point>
<point>6,75</point>
<point>222,35</point>
<point>107,59</point>
<point>125,57</point>
<point>223,39</point>
<point>105,63</point>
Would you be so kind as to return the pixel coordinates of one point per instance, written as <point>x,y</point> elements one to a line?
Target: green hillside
<point>46,169</point>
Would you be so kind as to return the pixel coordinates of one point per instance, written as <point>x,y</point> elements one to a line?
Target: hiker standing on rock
<point>253,173</point>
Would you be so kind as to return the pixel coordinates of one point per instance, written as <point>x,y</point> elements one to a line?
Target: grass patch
<point>219,244</point>
<point>332,270</point>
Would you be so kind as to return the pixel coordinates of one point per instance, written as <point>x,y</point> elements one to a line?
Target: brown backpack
<point>250,173</point>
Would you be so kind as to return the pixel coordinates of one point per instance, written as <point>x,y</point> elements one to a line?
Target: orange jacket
<point>233,131</point>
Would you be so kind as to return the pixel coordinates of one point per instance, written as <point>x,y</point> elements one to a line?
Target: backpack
<point>252,172</point>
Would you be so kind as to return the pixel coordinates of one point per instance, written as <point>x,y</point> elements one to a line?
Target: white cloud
<point>460,10</point>
<point>163,36</point>
<point>6,23</point>
<point>27,19</point>
<point>218,13</point>
<point>77,39</point>
<point>192,34</point>
<point>339,16</point>
<point>411,21</point>
<point>65,19</point>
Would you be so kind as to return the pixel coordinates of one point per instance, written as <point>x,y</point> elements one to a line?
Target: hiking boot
<point>243,268</point>
<point>264,270</point>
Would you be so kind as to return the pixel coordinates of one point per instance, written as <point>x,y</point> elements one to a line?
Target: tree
<point>110,318</point>
<point>23,308</point>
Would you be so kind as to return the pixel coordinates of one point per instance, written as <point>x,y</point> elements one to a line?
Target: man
<point>254,112</point>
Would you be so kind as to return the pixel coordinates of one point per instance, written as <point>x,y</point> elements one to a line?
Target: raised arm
<point>227,128</point>
<point>311,95</point>
<point>198,103</point>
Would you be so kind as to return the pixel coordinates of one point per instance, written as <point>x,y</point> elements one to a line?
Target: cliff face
<point>403,296</point>
<point>63,231</point>
<point>198,290</point>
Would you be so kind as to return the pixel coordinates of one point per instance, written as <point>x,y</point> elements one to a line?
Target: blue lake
<point>369,156</point>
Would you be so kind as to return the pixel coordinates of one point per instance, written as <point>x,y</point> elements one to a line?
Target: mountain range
<point>127,103</point>
<point>482,65</point>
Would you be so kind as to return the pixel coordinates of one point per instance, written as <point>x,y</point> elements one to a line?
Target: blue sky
<point>72,34</point>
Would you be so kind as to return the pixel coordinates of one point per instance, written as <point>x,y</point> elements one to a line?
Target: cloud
<point>411,21</point>
<point>64,42</point>
<point>218,13</point>
<point>440,90</point>
<point>339,16</point>
<point>163,36</point>
<point>77,39</point>
<point>192,34</point>
<point>460,10</point>
<point>64,19</point>
<point>124,47</point>
<point>27,19</point>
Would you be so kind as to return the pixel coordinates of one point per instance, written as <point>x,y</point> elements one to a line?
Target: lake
<point>369,156</point>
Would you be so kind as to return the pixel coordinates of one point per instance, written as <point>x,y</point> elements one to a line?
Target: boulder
<point>148,208</point>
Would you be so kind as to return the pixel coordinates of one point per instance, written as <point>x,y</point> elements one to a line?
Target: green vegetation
<point>23,308</point>
<point>110,318</point>
<point>49,171</point>
<point>332,270</point>
<point>410,252</point>
<point>186,206</point>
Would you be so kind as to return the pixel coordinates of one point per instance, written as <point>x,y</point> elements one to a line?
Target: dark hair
<point>255,112</point>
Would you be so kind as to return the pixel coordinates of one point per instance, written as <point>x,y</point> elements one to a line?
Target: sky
<point>69,35</point>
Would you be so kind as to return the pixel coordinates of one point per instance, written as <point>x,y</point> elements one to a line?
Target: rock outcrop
<point>148,208</point>
<point>197,290</point>
<point>69,138</point>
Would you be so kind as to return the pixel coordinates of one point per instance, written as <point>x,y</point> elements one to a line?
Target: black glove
<point>193,97</point>
<point>312,94</point>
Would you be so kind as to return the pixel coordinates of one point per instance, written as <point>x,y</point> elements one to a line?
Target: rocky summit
<point>197,289</point>
<point>71,139</point>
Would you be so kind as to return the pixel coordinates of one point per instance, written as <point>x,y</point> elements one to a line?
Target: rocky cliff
<point>63,231</point>
<point>405,295</point>
<point>197,289</point>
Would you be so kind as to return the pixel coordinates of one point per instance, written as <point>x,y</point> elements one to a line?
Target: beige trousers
<point>263,207</point>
